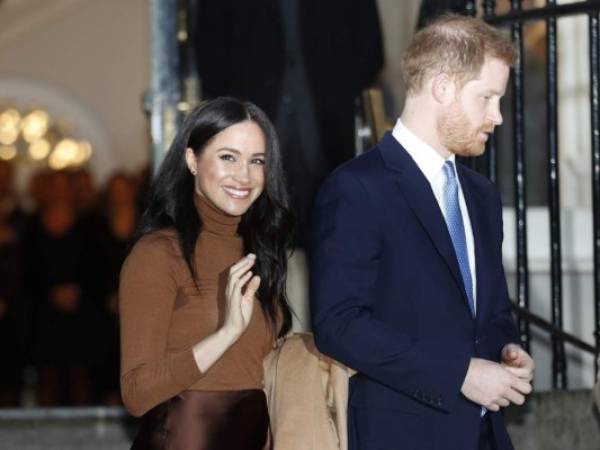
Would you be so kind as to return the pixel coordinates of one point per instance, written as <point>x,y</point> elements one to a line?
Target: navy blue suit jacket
<point>388,300</point>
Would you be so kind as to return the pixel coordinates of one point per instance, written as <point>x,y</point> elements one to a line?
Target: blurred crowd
<point>60,255</point>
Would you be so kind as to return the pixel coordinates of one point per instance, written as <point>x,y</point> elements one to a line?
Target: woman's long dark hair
<point>266,228</point>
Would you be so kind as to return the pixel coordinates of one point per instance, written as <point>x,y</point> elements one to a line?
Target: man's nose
<point>496,116</point>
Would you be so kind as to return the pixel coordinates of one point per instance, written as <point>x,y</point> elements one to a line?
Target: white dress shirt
<point>431,164</point>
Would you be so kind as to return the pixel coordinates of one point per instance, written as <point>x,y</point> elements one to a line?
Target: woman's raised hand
<point>239,294</point>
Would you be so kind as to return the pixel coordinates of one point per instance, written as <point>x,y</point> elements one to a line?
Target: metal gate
<point>488,164</point>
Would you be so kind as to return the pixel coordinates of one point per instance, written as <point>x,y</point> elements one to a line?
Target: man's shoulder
<point>366,165</point>
<point>356,178</point>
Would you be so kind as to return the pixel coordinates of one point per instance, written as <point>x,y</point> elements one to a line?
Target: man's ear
<point>443,88</point>
<point>191,160</point>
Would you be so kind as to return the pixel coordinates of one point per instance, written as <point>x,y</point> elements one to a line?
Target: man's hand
<point>491,385</point>
<point>518,362</point>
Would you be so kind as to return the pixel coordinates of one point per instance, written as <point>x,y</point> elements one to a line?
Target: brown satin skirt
<point>207,420</point>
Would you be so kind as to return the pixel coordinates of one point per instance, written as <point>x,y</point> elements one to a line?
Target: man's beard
<point>458,135</point>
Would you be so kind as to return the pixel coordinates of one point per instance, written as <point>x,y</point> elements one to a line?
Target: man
<point>407,284</point>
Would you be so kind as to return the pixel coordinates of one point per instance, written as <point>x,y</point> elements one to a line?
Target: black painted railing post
<point>470,10</point>
<point>491,160</point>
<point>520,177</point>
<point>559,362</point>
<point>594,35</point>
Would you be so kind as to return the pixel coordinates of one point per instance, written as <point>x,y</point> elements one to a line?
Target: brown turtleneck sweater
<point>163,315</point>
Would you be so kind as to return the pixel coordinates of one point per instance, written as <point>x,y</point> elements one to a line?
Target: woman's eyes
<point>226,157</point>
<point>231,158</point>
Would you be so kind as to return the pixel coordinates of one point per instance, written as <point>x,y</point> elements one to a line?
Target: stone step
<point>562,420</point>
<point>556,420</point>
<point>98,428</point>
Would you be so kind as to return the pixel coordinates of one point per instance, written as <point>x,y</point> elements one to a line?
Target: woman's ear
<point>191,160</point>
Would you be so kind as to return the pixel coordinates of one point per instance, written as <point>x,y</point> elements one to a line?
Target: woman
<point>202,293</point>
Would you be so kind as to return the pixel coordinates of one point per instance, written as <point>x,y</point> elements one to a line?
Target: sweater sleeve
<point>148,288</point>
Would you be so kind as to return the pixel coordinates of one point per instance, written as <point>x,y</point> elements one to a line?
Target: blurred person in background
<point>59,286</point>
<point>120,214</point>
<point>84,191</point>
<point>12,347</point>
<point>38,190</point>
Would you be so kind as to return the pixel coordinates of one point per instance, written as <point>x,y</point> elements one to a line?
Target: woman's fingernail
<point>251,255</point>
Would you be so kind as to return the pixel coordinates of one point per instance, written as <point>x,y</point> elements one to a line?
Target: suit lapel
<point>481,238</point>
<point>419,195</point>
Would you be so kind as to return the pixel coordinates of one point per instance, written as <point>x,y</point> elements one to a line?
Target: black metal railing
<point>514,19</point>
<point>594,36</point>
<point>558,347</point>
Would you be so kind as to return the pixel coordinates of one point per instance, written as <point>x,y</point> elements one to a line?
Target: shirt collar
<point>427,159</point>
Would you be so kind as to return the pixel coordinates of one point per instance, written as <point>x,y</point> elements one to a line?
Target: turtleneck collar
<point>214,220</point>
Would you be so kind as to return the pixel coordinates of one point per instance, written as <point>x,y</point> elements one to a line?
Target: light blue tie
<point>456,228</point>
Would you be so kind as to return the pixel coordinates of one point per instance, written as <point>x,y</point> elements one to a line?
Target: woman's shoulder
<point>160,238</point>
<point>156,247</point>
